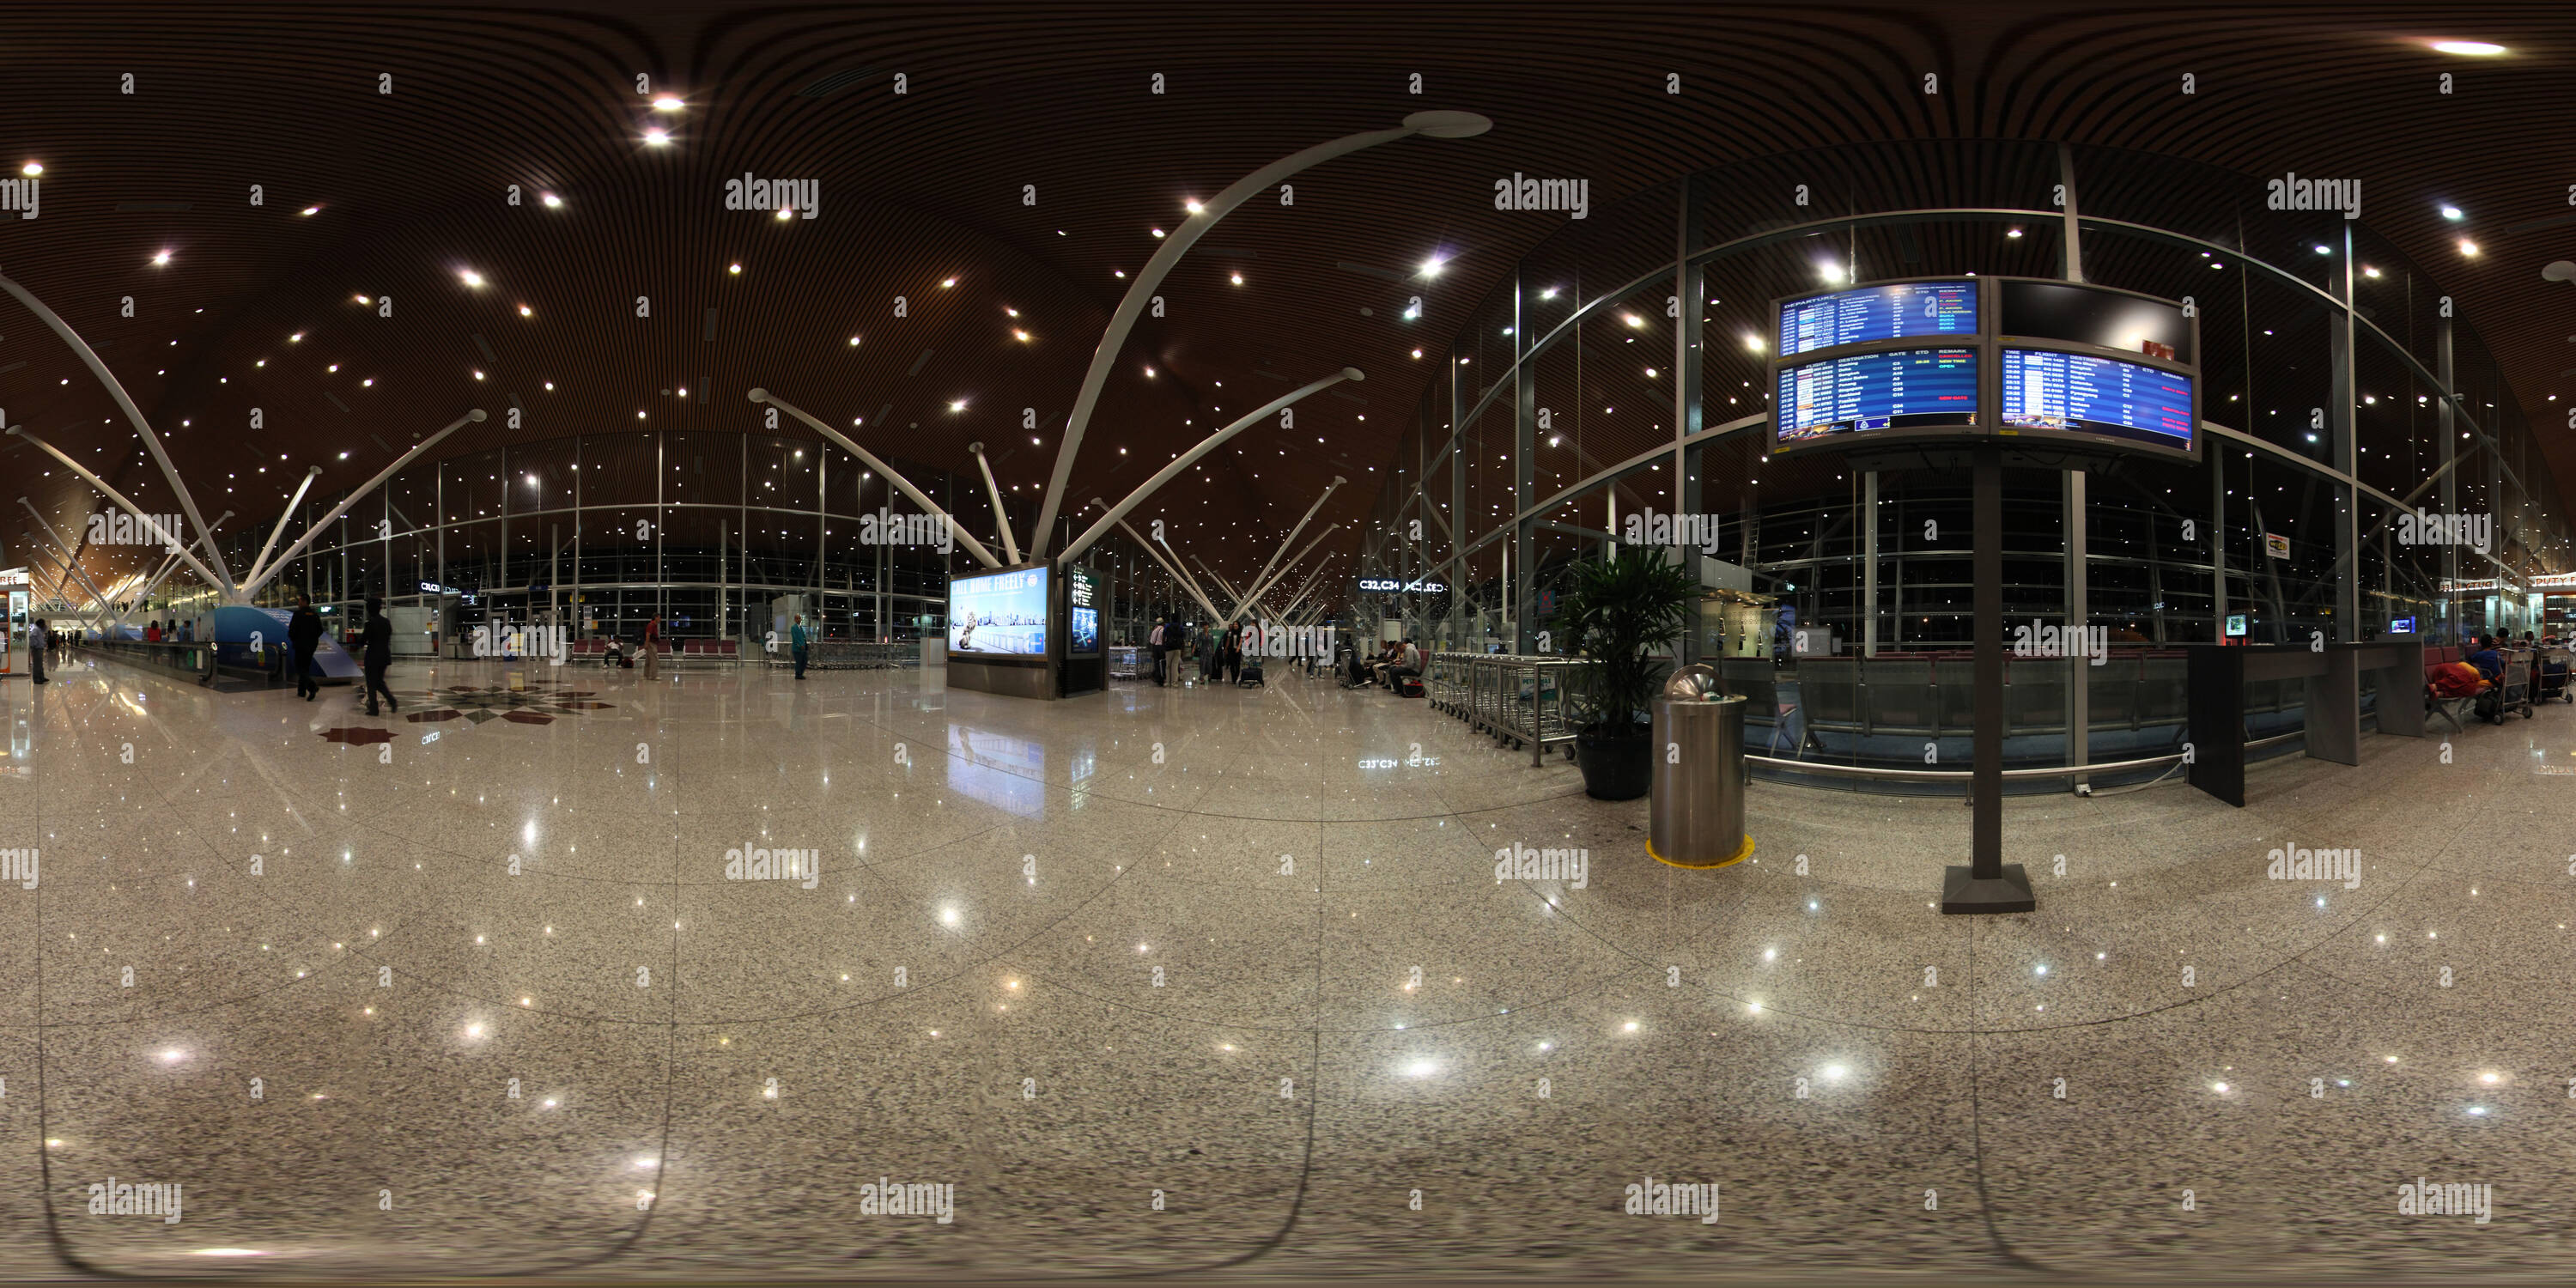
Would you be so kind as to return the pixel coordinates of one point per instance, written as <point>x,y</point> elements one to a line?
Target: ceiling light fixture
<point>657,138</point>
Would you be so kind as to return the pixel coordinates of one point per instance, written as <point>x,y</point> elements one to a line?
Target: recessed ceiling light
<point>550,199</point>
<point>162,258</point>
<point>666,103</point>
<point>470,277</point>
<point>854,342</point>
<point>1431,267</point>
<point>2453,213</point>
<point>32,169</point>
<point>312,210</point>
<point>787,212</point>
<point>959,405</point>
<point>526,312</point>
<point>2472,48</point>
<point>657,138</point>
<point>2468,247</point>
<point>945,283</point>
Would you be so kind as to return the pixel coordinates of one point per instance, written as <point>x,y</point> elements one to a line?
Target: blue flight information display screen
<point>1904,311</point>
<point>2130,401</point>
<point>1898,389</point>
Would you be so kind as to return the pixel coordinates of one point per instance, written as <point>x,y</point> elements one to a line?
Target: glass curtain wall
<point>1620,372</point>
<point>708,530</point>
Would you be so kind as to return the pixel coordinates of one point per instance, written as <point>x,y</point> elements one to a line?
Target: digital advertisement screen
<point>999,612</point>
<point>2130,401</point>
<point>2080,314</point>
<point>1901,311</point>
<point>1082,611</point>
<point>1869,392</point>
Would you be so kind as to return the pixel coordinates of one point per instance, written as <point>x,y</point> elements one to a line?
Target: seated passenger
<point>1408,664</point>
<point>2485,658</point>
<point>2454,680</point>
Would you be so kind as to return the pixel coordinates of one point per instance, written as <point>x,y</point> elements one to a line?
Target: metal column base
<point>1963,893</point>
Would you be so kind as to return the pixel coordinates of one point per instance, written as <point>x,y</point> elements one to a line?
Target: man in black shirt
<point>304,632</point>
<point>378,643</point>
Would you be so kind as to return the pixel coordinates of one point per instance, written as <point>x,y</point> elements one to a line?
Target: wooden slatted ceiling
<point>1005,97</point>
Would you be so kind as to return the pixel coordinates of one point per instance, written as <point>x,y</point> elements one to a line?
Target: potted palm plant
<point>1620,610</point>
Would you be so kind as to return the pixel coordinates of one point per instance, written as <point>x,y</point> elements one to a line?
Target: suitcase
<point>1252,675</point>
<point>1412,686</point>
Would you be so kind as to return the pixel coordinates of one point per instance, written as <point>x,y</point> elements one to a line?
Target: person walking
<point>304,632</point>
<point>796,644</point>
<point>377,640</point>
<point>1154,643</point>
<point>38,640</point>
<point>652,646</point>
<point>1234,655</point>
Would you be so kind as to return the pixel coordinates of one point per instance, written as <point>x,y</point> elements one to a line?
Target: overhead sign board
<point>1392,586</point>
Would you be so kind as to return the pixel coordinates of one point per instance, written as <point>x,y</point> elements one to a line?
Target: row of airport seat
<point>687,651</point>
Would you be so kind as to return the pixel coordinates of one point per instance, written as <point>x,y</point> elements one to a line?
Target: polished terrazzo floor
<point>1221,980</point>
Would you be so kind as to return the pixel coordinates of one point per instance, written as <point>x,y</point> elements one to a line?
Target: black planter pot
<point>1615,768</point>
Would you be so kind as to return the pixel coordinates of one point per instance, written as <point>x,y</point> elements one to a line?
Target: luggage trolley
<point>2550,676</point>
<point>2512,691</point>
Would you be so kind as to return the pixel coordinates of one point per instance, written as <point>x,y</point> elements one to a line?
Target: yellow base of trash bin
<point>1730,861</point>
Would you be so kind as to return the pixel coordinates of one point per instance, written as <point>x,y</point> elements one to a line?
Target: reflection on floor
<point>729,975</point>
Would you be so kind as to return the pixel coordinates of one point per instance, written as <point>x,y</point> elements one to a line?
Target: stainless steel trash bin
<point>1700,774</point>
